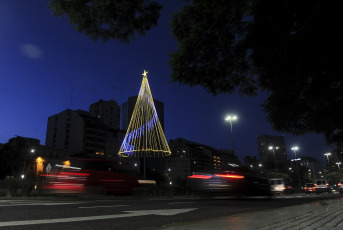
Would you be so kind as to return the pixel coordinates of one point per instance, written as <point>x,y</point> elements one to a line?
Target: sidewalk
<point>327,214</point>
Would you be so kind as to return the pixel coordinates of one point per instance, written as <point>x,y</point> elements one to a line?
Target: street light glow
<point>271,147</point>
<point>231,118</point>
<point>295,148</point>
<point>338,164</point>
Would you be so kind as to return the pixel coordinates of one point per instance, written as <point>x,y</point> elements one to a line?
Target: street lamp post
<point>327,156</point>
<point>338,163</point>
<point>295,148</point>
<point>272,148</point>
<point>231,118</point>
<point>23,175</point>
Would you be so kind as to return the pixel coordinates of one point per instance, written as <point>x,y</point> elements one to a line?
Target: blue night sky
<point>43,60</point>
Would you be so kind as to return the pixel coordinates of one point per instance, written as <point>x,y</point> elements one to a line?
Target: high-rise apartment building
<point>272,151</point>
<point>108,112</point>
<point>77,131</point>
<point>128,107</point>
<point>80,132</point>
<point>93,133</point>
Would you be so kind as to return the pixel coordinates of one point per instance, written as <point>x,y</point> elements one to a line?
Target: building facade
<point>334,159</point>
<point>189,157</point>
<point>81,132</point>
<point>312,168</point>
<point>108,112</point>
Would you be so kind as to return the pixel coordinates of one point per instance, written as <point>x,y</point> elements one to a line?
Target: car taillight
<point>315,184</point>
<point>200,177</point>
<point>339,184</point>
<point>75,174</point>
<point>53,175</point>
<point>233,176</point>
<point>327,184</point>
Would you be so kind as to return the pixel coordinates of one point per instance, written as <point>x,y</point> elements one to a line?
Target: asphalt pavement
<point>298,211</point>
<point>325,214</point>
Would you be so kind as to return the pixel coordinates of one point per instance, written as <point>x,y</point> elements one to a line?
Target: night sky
<point>46,67</point>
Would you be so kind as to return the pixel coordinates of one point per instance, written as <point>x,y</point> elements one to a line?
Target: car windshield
<point>309,185</point>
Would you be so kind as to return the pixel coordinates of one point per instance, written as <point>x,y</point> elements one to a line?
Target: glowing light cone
<point>144,136</point>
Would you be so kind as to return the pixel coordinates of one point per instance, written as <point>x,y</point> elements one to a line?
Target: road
<point>132,212</point>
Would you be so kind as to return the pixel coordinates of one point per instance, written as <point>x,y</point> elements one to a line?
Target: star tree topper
<point>145,73</point>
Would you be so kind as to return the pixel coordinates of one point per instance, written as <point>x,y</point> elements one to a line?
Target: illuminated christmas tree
<point>144,136</point>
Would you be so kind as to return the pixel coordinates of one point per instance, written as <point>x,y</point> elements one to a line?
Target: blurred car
<point>88,175</point>
<point>310,188</point>
<point>277,185</point>
<point>232,182</point>
<point>340,186</point>
<point>322,185</point>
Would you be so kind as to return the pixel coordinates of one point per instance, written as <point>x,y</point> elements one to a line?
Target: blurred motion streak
<point>90,176</point>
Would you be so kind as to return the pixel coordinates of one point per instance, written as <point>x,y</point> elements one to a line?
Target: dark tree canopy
<point>294,48</point>
<point>208,51</point>
<point>291,49</point>
<point>297,48</point>
<point>109,19</point>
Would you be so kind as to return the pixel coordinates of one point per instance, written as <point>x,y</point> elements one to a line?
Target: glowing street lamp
<point>295,148</point>
<point>231,118</point>
<point>273,149</point>
<point>327,156</point>
<point>338,163</point>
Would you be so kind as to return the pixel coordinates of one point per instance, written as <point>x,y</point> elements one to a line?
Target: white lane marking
<point>165,212</point>
<point>181,202</point>
<point>36,204</point>
<point>112,206</point>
